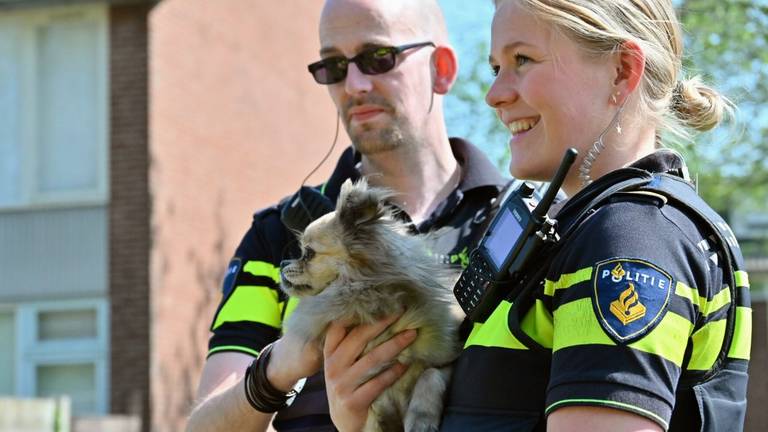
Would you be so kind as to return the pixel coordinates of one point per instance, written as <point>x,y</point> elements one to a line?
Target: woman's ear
<point>630,68</point>
<point>445,67</point>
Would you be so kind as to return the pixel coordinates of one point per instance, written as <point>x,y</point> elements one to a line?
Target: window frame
<point>31,353</point>
<point>28,23</point>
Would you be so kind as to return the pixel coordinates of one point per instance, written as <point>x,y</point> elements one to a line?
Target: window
<point>61,348</point>
<point>7,336</point>
<point>53,106</point>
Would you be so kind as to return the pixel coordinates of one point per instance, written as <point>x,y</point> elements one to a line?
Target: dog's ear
<point>359,205</point>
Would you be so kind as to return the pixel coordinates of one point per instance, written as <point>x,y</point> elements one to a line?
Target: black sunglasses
<point>372,61</point>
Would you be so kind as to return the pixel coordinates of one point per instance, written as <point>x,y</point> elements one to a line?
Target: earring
<point>615,98</point>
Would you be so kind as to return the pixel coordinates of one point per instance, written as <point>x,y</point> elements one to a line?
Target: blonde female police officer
<point>637,324</point>
<point>640,320</point>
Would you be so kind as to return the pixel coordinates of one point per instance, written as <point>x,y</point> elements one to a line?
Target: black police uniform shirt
<point>253,308</point>
<point>633,305</point>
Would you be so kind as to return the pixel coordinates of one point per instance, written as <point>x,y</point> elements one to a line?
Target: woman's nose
<point>503,91</point>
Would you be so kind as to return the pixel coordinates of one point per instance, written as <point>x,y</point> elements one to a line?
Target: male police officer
<point>387,65</point>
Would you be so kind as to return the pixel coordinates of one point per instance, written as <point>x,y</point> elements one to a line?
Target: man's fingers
<point>333,337</point>
<point>350,344</point>
<point>384,353</point>
<point>368,392</point>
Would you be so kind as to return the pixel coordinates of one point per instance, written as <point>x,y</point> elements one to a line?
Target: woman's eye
<point>521,59</point>
<point>495,70</point>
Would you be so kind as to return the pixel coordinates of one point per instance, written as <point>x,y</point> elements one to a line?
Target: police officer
<point>642,320</point>
<point>639,319</point>
<point>387,66</point>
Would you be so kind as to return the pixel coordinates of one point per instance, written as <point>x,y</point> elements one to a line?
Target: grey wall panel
<point>53,253</point>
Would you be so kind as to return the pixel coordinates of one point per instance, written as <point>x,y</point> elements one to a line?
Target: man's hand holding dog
<point>349,393</point>
<point>292,359</point>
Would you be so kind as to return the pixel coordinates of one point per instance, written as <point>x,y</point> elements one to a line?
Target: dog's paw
<point>420,424</point>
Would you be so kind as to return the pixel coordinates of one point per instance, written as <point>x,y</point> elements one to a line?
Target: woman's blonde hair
<point>600,27</point>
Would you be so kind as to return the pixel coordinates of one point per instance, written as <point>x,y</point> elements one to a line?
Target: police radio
<point>517,234</point>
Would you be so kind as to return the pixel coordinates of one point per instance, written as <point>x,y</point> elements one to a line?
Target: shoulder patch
<point>231,276</point>
<point>631,297</point>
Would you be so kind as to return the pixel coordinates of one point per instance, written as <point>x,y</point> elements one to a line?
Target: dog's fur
<point>359,265</point>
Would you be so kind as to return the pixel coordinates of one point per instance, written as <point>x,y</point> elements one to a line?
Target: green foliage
<point>726,43</point>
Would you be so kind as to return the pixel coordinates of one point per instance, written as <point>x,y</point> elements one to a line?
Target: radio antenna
<point>554,185</point>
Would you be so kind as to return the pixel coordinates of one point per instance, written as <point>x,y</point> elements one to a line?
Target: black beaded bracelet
<point>261,394</point>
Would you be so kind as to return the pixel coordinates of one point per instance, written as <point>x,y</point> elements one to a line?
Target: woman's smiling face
<point>548,92</point>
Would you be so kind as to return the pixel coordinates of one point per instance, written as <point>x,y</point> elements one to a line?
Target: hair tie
<point>677,96</point>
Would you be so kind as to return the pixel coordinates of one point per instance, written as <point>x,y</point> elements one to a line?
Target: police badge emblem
<point>630,297</point>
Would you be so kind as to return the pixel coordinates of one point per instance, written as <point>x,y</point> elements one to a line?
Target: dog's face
<point>335,244</point>
<point>322,252</point>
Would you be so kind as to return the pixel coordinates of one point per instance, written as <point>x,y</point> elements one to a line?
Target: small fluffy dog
<point>360,265</point>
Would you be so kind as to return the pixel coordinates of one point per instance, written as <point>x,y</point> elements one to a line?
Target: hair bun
<point>697,105</point>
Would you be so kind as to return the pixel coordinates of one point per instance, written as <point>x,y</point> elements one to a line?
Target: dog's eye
<point>308,254</point>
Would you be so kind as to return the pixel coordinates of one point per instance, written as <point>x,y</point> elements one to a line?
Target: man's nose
<point>356,81</point>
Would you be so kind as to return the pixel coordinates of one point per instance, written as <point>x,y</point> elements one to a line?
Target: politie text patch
<point>630,297</point>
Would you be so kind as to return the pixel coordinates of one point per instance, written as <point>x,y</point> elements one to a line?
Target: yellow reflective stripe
<point>620,405</point>
<point>231,348</point>
<point>250,303</point>
<point>261,268</point>
<point>292,303</point>
<point>707,342</point>
<point>668,339</point>
<point>567,281</point>
<point>742,278</point>
<point>692,294</point>
<point>723,298</point>
<point>576,324</point>
<point>706,307</point>
<point>742,334</point>
<point>537,324</point>
<point>495,331</point>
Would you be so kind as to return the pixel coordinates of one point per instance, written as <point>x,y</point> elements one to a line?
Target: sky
<point>469,27</point>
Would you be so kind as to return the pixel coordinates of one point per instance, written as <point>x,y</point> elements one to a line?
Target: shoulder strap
<point>682,196</point>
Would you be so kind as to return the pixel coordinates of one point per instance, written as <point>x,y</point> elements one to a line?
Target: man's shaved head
<point>420,19</point>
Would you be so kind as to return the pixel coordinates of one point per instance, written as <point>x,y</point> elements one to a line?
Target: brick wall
<point>129,212</point>
<point>236,123</point>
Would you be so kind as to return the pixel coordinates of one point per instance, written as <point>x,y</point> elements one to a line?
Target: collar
<point>661,161</point>
<point>476,169</point>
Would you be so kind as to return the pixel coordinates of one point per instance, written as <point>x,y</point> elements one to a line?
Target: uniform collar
<point>660,161</point>
<point>477,169</point>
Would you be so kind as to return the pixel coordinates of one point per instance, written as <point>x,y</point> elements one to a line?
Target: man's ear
<point>445,67</point>
<point>630,68</point>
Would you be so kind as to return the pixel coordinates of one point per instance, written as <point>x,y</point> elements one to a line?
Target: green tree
<point>726,44</point>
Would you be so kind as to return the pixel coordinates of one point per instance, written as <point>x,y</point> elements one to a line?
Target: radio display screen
<point>503,237</point>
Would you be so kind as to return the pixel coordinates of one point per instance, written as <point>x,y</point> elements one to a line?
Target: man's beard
<point>369,140</point>
<point>372,140</point>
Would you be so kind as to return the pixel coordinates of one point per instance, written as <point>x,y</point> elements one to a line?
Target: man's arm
<point>221,394</point>
<point>221,397</point>
<point>598,419</point>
